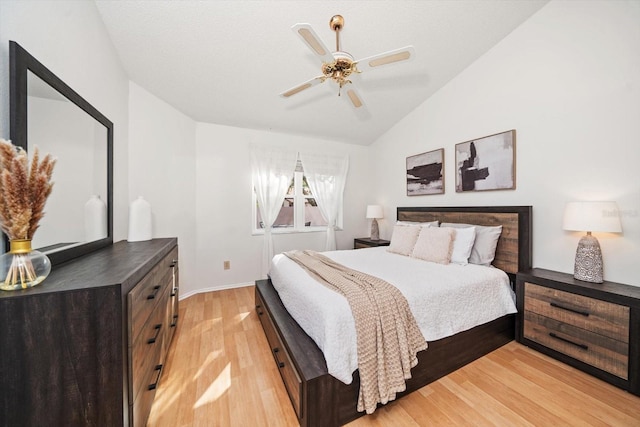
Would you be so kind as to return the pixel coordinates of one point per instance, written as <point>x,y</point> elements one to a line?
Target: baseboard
<point>214,288</point>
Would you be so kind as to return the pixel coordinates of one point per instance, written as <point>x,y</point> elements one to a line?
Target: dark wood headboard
<point>513,253</point>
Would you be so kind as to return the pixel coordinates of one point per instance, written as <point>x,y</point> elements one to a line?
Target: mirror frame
<point>21,62</point>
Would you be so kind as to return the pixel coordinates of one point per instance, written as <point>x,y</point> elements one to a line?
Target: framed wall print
<point>487,163</point>
<point>425,173</point>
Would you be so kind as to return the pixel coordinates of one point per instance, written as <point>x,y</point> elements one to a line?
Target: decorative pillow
<point>484,247</point>
<point>421,224</point>
<point>434,244</point>
<point>403,239</point>
<point>462,245</point>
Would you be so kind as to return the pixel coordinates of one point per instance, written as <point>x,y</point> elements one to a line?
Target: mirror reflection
<point>76,211</point>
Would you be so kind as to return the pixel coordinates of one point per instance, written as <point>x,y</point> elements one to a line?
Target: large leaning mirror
<point>46,113</point>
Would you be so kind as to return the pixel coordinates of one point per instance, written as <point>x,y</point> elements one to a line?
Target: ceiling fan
<point>339,65</point>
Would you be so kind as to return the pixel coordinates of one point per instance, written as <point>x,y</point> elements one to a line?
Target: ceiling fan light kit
<point>339,65</point>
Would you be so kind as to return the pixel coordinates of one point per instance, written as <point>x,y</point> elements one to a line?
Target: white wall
<point>162,169</point>
<point>70,39</point>
<point>568,81</point>
<point>224,202</point>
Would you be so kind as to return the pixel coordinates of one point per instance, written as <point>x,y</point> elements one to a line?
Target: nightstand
<point>592,327</point>
<point>365,242</point>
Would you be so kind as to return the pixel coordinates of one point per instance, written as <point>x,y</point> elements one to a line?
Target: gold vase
<point>23,267</point>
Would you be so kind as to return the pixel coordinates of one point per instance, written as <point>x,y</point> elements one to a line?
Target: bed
<point>318,398</point>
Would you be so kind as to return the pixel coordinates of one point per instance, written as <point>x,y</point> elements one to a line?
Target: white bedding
<point>444,299</point>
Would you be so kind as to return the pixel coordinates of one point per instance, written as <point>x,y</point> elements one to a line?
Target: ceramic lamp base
<point>375,232</point>
<point>588,266</point>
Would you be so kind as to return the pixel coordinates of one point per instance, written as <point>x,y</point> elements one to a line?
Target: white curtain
<point>327,176</point>
<point>272,171</point>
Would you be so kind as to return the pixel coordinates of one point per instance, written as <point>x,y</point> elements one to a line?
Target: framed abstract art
<point>425,173</point>
<point>487,163</point>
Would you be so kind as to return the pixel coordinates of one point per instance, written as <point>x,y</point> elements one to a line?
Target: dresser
<point>594,327</point>
<point>87,346</point>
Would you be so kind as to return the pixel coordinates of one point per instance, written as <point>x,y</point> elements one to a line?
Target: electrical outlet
<point>227,265</point>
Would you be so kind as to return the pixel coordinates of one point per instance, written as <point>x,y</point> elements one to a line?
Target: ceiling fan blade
<point>311,39</point>
<point>403,54</point>
<point>306,85</point>
<point>355,100</point>
<point>354,97</point>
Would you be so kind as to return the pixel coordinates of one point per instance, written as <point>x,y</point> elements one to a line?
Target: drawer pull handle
<point>278,362</point>
<point>154,293</point>
<point>573,310</point>
<point>258,307</point>
<point>175,321</point>
<point>155,337</point>
<point>155,384</point>
<point>582,346</point>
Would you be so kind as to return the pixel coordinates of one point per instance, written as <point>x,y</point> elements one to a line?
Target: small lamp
<point>374,212</point>
<point>590,216</point>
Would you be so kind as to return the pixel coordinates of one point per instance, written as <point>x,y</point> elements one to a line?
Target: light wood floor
<point>220,372</point>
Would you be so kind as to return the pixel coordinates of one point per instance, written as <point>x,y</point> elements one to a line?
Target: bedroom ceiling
<point>226,62</point>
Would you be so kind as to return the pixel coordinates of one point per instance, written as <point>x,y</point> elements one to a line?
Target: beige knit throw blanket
<point>387,333</point>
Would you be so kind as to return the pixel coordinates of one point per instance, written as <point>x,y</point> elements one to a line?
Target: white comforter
<point>445,299</point>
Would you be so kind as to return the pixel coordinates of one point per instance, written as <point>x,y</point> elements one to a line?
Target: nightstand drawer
<point>601,317</point>
<point>605,353</point>
<point>593,327</point>
<point>365,242</point>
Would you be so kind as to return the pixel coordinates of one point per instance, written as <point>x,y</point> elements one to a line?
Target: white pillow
<point>403,239</point>
<point>484,247</point>
<point>462,245</point>
<point>434,244</point>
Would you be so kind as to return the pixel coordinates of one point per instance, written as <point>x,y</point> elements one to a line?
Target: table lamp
<point>590,216</point>
<point>374,212</point>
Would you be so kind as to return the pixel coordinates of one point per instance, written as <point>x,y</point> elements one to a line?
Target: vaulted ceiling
<point>226,62</point>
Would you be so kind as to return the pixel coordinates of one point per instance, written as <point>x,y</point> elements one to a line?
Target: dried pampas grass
<point>24,189</point>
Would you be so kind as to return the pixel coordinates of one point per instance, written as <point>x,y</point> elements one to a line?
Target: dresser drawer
<point>597,350</point>
<point>147,351</point>
<point>143,298</point>
<point>283,360</point>
<point>601,317</point>
<point>142,404</point>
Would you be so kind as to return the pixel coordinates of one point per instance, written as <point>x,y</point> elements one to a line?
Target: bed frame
<point>321,400</point>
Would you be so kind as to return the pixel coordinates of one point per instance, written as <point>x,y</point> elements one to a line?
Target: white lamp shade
<point>592,216</point>
<point>375,211</point>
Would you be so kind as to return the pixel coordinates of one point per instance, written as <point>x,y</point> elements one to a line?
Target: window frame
<point>298,211</point>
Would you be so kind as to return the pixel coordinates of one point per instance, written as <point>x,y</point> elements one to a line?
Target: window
<point>299,211</point>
